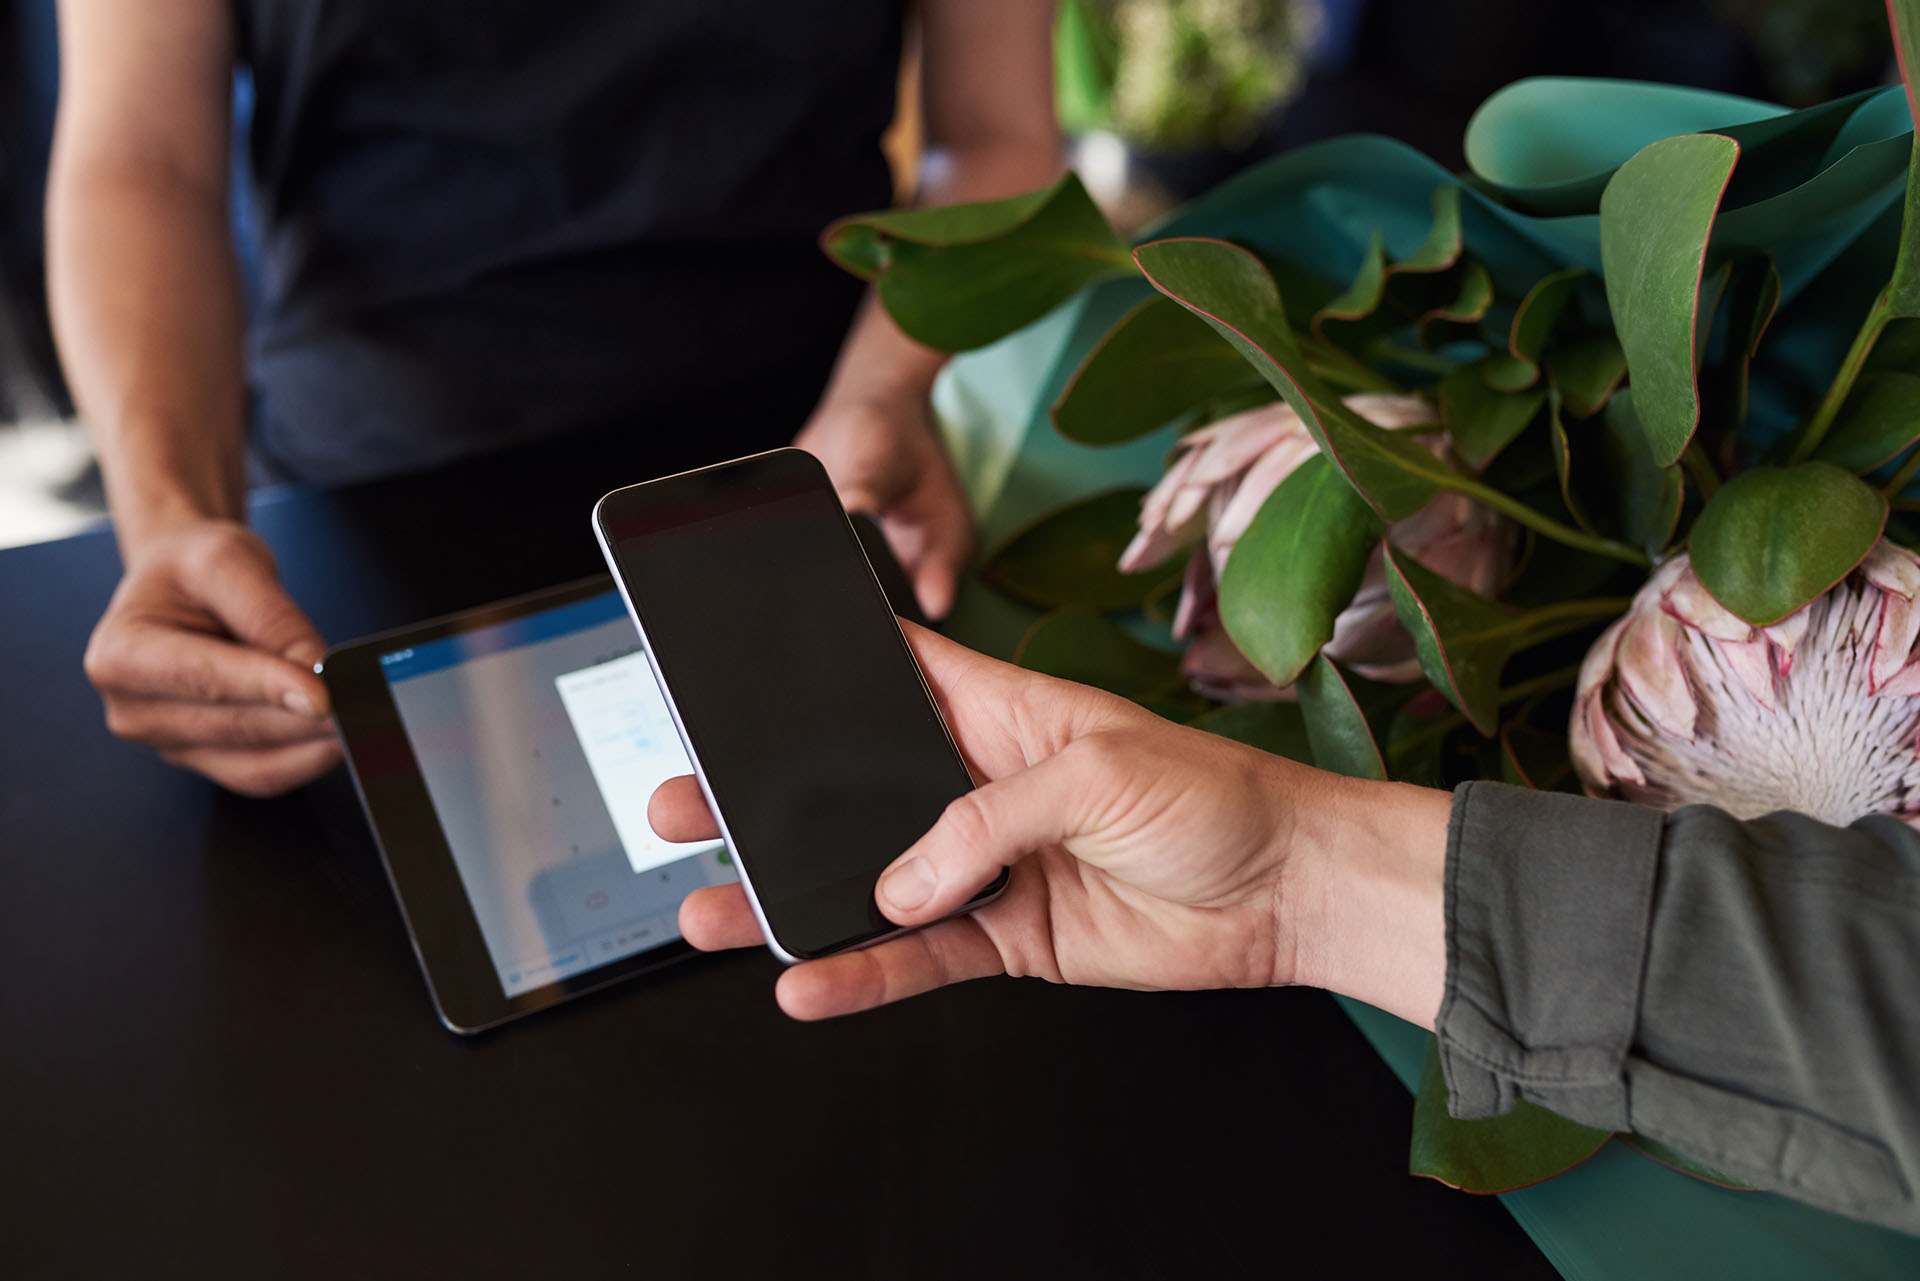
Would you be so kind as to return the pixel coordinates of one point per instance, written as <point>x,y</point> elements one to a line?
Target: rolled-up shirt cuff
<point>1548,901</point>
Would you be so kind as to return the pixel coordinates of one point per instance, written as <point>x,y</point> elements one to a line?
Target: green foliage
<point>957,277</point>
<point>1295,568</point>
<point>1336,707</point>
<point>1878,422</point>
<point>1656,217</point>
<point>1080,644</point>
<point>1775,538</point>
<point>1498,1154</point>
<point>1158,363</point>
<point>1278,728</point>
<point>1070,556</point>
<point>1463,639</point>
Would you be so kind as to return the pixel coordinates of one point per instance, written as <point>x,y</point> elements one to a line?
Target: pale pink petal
<point>1581,745</point>
<point>1893,568</point>
<point>1786,636</point>
<point>1753,664</point>
<point>1621,767</point>
<point>1651,673</point>
<point>1388,409</point>
<point>1148,548</point>
<point>1236,442</point>
<point>1597,667</point>
<point>1904,684</point>
<point>1217,668</point>
<point>1232,516</point>
<point>1664,576</point>
<point>1689,601</point>
<point>1196,597</point>
<point>1158,503</point>
<point>1893,643</point>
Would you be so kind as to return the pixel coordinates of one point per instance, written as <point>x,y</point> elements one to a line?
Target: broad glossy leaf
<point>1880,419</point>
<point>1078,644</point>
<point>1068,557</point>
<point>1295,568</point>
<point>1481,420</point>
<point>957,277</point>
<point>1159,362</point>
<point>1499,1154</point>
<point>1774,538</point>
<point>1228,288</point>
<point>1337,727</point>
<point>1276,728</point>
<point>1463,638</point>
<point>1563,464</point>
<point>1656,217</point>
<point>1587,372</point>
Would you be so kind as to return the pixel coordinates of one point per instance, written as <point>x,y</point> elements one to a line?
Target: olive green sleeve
<point>1747,993</point>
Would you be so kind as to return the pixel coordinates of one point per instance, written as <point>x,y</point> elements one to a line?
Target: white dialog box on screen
<point>621,719</point>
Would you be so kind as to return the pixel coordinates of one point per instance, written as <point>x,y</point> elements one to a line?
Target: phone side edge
<point>673,711</point>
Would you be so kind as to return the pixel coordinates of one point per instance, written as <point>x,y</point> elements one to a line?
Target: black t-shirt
<point>488,220</point>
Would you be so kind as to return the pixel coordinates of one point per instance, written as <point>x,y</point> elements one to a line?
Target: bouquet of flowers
<point>1588,469</point>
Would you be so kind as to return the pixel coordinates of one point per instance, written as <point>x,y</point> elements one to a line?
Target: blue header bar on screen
<point>451,651</point>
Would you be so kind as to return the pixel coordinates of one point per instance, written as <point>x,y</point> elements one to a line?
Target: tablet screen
<point>540,740</point>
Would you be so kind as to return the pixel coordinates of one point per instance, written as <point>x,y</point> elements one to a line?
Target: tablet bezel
<point>461,976</point>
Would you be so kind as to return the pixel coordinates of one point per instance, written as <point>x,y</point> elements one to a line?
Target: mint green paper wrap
<point>1826,208</point>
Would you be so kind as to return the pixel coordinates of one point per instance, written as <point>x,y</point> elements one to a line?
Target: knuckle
<point>970,821</point>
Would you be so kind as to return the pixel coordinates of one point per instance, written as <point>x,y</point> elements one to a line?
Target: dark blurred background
<point>1164,98</point>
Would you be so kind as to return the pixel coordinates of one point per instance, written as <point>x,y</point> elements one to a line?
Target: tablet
<point>505,757</point>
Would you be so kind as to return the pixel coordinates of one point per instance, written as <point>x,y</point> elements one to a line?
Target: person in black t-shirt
<point>482,224</point>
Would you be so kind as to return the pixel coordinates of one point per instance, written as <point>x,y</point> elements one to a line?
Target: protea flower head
<point>1680,702</point>
<point>1219,478</point>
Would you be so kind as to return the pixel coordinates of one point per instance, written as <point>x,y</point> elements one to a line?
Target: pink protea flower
<point>1218,481</point>
<point>1680,702</point>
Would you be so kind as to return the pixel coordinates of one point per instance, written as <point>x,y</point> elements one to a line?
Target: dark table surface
<point>217,1056</point>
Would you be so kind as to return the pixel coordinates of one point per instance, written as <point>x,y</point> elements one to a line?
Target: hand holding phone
<point>1145,855</point>
<point>814,737</point>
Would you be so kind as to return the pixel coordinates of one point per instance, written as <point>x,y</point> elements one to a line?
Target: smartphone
<point>810,727</point>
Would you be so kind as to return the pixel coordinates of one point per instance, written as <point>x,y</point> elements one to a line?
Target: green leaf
<point>1337,726</point>
<point>1158,363</point>
<point>1279,729</point>
<point>1533,324</point>
<point>1068,557</point>
<point>1586,373</point>
<point>1498,1154</point>
<point>1775,538</point>
<point>1228,288</point>
<point>1441,249</point>
<point>1078,644</point>
<point>1656,217</point>
<point>1610,482</point>
<point>1752,298</point>
<point>1463,638</point>
<point>1657,1151</point>
<point>1470,303</point>
<point>957,277</point>
<point>1481,420</point>
<point>1534,758</point>
<point>1296,567</point>
<point>1361,297</point>
<point>1879,421</point>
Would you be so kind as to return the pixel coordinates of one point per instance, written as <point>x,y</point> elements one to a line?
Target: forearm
<point>880,365</point>
<point>146,308</point>
<point>1740,991</point>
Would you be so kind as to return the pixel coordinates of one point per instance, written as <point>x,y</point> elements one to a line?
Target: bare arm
<point>201,654</point>
<point>143,286</point>
<point>987,76</point>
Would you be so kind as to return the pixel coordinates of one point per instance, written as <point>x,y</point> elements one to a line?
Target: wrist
<point>1366,914</point>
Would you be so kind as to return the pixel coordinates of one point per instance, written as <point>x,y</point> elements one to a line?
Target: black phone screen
<point>794,687</point>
